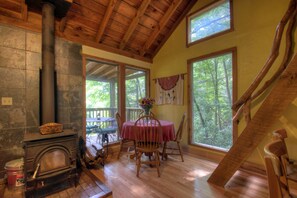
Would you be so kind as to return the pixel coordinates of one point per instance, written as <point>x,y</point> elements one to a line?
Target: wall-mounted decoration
<point>170,90</point>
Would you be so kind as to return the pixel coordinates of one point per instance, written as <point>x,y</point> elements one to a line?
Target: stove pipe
<point>48,64</point>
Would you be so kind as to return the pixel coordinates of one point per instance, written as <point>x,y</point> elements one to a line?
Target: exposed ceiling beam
<point>181,17</point>
<point>161,25</point>
<point>134,22</point>
<point>107,73</point>
<point>106,17</point>
<point>24,10</point>
<point>62,25</point>
<point>80,38</point>
<point>112,76</point>
<point>96,69</point>
<point>134,76</point>
<point>10,13</point>
<point>102,73</point>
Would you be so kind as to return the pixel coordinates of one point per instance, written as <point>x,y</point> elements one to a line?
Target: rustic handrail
<point>243,103</point>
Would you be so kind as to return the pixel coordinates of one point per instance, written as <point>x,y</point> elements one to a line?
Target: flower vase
<point>146,111</point>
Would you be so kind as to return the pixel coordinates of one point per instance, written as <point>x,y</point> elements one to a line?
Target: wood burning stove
<point>50,162</point>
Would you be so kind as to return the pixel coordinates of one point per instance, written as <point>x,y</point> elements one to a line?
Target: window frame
<point>121,86</point>
<point>147,85</point>
<point>201,11</point>
<point>190,62</point>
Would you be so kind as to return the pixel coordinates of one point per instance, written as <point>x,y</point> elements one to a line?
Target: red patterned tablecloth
<point>167,129</point>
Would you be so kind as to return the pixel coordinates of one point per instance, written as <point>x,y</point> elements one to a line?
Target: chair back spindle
<point>276,169</point>
<point>179,132</point>
<point>122,140</point>
<point>119,122</point>
<point>148,138</point>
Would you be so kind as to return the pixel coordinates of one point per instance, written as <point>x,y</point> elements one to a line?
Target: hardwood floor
<point>178,179</point>
<point>87,186</point>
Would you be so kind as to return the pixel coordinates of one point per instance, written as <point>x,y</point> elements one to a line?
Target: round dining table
<point>168,132</point>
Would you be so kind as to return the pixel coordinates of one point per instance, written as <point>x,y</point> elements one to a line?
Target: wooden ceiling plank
<point>10,13</point>
<point>34,24</point>
<point>161,25</point>
<point>62,25</point>
<point>94,70</point>
<point>181,17</point>
<point>114,75</point>
<point>24,11</point>
<point>107,15</point>
<point>11,5</point>
<point>157,9</point>
<point>126,9</point>
<point>79,30</point>
<point>280,97</point>
<point>63,21</point>
<point>133,3</point>
<point>14,1</point>
<point>134,23</point>
<point>119,36</point>
<point>109,72</point>
<point>78,20</point>
<point>20,23</point>
<point>103,72</point>
<point>87,8</point>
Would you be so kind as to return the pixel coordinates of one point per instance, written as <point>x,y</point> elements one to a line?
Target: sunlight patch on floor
<point>192,175</point>
<point>137,189</point>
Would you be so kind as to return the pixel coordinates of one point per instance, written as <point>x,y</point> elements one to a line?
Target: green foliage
<point>135,89</point>
<point>97,94</point>
<point>212,92</point>
<point>210,22</point>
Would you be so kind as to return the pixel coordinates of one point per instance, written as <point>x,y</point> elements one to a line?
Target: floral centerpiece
<point>146,104</point>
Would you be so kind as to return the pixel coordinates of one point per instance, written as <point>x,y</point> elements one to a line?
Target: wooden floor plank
<point>178,179</point>
<point>88,186</point>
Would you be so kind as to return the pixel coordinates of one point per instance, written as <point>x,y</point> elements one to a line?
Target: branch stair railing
<point>279,91</point>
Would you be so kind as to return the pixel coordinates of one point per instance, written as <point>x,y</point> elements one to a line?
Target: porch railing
<point>131,113</point>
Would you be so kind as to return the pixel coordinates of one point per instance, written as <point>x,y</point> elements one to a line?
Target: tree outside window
<point>211,101</point>
<point>212,20</point>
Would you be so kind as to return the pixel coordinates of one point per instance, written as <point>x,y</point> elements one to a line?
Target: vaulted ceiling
<point>133,28</point>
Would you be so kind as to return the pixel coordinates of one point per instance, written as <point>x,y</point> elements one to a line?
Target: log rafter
<point>63,22</point>
<point>170,11</point>
<point>96,70</point>
<point>134,22</point>
<point>24,10</point>
<point>85,22</point>
<point>106,18</point>
<point>11,13</point>
<point>181,17</point>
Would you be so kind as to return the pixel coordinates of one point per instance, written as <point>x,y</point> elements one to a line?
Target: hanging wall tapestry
<point>170,90</point>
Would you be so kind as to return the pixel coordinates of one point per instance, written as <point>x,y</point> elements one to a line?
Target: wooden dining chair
<point>277,179</point>
<point>148,138</point>
<point>123,141</point>
<point>289,166</point>
<point>142,114</point>
<point>173,147</point>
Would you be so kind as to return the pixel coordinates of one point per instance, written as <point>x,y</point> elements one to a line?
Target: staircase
<point>283,91</point>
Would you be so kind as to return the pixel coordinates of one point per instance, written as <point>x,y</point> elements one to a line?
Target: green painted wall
<point>254,23</point>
